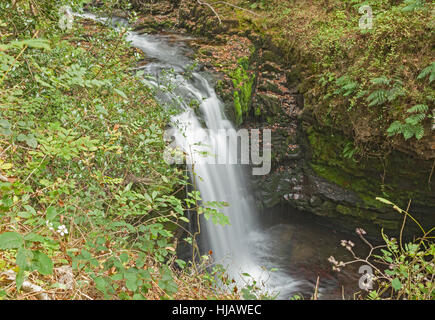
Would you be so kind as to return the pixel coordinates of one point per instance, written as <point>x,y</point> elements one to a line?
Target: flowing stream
<point>248,245</point>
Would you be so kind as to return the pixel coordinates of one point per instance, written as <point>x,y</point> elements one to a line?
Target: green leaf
<point>184,219</point>
<point>248,295</point>
<point>123,257</point>
<point>421,108</point>
<point>10,240</point>
<point>429,70</point>
<point>138,296</point>
<point>396,284</point>
<point>140,261</point>
<point>5,127</point>
<point>35,43</point>
<point>122,94</point>
<point>181,263</point>
<point>101,284</point>
<point>384,200</point>
<point>419,132</point>
<point>378,97</point>
<point>131,280</point>
<point>31,141</point>
<point>42,263</point>
<point>51,213</point>
<point>19,279</point>
<point>381,80</point>
<point>33,237</point>
<point>24,258</point>
<point>25,214</point>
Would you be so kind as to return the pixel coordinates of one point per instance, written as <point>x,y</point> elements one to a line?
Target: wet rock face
<point>345,194</point>
<point>309,171</point>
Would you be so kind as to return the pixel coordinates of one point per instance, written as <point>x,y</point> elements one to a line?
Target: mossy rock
<point>404,178</point>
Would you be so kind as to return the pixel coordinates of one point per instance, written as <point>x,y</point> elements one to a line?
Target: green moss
<point>242,82</point>
<point>356,212</point>
<point>238,112</point>
<point>404,177</point>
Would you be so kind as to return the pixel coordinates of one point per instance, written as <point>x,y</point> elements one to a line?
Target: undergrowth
<point>398,269</point>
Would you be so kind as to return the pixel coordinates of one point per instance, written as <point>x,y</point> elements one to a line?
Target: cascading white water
<point>239,246</point>
<point>216,182</point>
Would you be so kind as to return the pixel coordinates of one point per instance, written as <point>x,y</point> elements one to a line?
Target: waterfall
<point>202,141</point>
<point>241,247</point>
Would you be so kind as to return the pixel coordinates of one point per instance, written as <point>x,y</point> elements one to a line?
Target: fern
<point>418,108</point>
<point>392,92</point>
<point>346,86</point>
<point>413,124</point>
<point>413,5</point>
<point>381,80</point>
<point>429,70</point>
<point>377,97</point>
<point>395,128</point>
<point>415,119</point>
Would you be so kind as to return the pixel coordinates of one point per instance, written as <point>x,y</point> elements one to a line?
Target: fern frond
<point>419,132</point>
<point>413,5</point>
<point>377,97</point>
<point>392,94</point>
<point>421,108</point>
<point>381,80</point>
<point>415,119</point>
<point>394,128</point>
<point>429,70</point>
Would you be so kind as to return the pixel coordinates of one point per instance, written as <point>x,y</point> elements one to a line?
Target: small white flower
<point>49,225</point>
<point>332,260</point>
<point>360,231</point>
<point>62,230</point>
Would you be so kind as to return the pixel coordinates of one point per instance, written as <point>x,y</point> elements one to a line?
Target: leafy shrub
<point>83,181</point>
<point>401,270</point>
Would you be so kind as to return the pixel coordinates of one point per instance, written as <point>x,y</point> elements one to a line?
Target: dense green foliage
<point>375,85</point>
<point>399,269</point>
<point>83,182</point>
<point>83,179</point>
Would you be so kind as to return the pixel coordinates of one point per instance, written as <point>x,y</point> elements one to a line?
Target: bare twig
<point>211,8</point>
<point>316,291</point>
